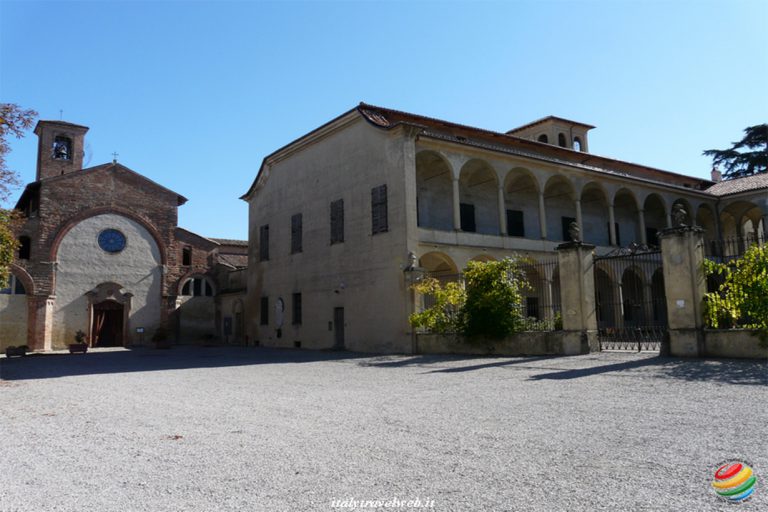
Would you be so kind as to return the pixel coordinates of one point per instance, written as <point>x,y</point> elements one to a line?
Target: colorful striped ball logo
<point>734,481</point>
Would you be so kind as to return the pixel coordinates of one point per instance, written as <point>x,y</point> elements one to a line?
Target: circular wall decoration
<point>112,240</point>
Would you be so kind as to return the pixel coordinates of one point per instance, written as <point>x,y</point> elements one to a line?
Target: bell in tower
<point>59,149</point>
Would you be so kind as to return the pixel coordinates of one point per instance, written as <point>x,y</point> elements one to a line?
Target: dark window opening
<point>652,236</point>
<point>566,226</point>
<point>515,225</point>
<point>264,243</point>
<point>467,214</point>
<point>197,287</point>
<point>186,256</point>
<point>264,313</point>
<point>532,307</point>
<point>25,247</point>
<point>379,221</point>
<point>577,144</point>
<point>543,138</point>
<point>18,288</point>
<point>296,308</point>
<point>62,148</point>
<point>296,233</point>
<point>337,221</point>
<point>561,140</point>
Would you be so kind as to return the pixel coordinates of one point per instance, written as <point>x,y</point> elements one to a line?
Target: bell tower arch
<point>59,148</point>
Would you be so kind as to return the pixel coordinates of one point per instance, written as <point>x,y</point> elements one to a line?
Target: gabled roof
<point>549,118</point>
<point>199,237</point>
<point>737,185</point>
<point>229,241</point>
<point>387,119</point>
<point>110,167</point>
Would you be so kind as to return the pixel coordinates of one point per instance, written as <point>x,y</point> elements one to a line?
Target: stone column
<point>502,212</point>
<point>669,219</point>
<point>40,322</point>
<point>456,206</point>
<point>611,224</point>
<point>542,217</point>
<point>577,295</point>
<point>643,234</point>
<point>547,299</point>
<point>682,252</point>
<point>578,216</point>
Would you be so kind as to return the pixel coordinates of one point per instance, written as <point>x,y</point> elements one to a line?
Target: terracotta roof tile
<point>734,186</point>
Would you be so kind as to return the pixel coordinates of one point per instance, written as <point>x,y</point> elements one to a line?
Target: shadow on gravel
<point>494,365</point>
<point>51,366</point>
<point>725,371</point>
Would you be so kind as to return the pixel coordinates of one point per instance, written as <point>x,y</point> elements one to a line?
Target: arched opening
<point>107,328</point>
<point>434,196</point>
<point>561,141</point>
<point>655,215</point>
<point>604,289</point>
<point>543,138</point>
<point>62,148</point>
<point>560,208</point>
<point>632,298</point>
<point>441,267</point>
<point>625,213</point>
<point>659,298</point>
<point>14,287</point>
<point>577,144</point>
<point>594,211</point>
<point>197,287</point>
<point>521,196</point>
<point>705,218</point>
<point>478,196</point>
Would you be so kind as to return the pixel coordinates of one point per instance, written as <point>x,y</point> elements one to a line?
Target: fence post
<point>577,296</point>
<point>682,252</point>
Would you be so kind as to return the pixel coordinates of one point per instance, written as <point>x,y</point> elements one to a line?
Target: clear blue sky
<point>194,94</point>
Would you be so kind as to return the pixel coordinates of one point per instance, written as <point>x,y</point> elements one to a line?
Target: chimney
<point>716,175</point>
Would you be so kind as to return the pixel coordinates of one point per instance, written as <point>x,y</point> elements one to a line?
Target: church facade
<point>100,252</point>
<point>339,216</point>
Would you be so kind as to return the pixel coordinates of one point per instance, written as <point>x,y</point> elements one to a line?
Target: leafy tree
<point>493,308</point>
<point>742,298</point>
<point>746,157</point>
<point>447,300</point>
<point>14,120</point>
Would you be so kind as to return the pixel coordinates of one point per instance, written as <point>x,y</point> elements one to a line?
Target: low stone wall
<point>739,343</point>
<point>562,343</point>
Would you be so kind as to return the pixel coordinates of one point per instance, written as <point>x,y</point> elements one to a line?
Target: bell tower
<point>59,148</point>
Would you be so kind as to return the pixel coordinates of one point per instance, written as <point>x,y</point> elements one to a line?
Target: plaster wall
<point>363,274</point>
<point>82,265</point>
<point>196,319</point>
<point>13,319</point>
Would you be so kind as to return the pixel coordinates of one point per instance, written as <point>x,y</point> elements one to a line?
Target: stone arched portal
<point>109,309</point>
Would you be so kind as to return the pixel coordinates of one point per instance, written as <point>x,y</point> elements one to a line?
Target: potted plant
<point>16,351</point>
<point>80,344</point>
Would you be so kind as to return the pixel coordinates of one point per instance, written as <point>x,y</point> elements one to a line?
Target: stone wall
<point>555,343</point>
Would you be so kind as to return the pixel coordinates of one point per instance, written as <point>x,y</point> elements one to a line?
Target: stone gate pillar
<point>40,322</point>
<point>577,295</point>
<point>682,252</point>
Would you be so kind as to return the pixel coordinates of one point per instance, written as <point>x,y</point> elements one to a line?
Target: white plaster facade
<point>82,266</point>
<point>454,193</point>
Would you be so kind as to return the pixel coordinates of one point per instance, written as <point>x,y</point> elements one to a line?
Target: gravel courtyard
<point>210,429</point>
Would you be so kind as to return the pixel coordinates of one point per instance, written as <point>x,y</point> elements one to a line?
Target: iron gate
<point>630,298</point>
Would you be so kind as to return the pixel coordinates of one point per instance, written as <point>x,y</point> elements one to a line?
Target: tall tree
<point>746,157</point>
<point>14,120</point>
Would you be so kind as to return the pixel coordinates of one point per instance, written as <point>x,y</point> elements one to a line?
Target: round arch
<point>434,191</point>
<point>559,196</point>
<point>26,279</point>
<point>521,201</point>
<point>438,263</point>
<point>188,285</point>
<point>478,195</point>
<point>71,222</point>
<point>594,212</point>
<point>626,216</point>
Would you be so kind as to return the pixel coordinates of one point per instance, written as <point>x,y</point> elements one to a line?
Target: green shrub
<point>742,298</point>
<point>442,317</point>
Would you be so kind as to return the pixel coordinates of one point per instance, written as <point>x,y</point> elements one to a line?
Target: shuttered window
<point>337,221</point>
<point>296,233</point>
<point>379,209</point>
<point>264,243</point>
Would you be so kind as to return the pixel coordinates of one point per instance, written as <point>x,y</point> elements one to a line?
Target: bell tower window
<point>62,148</point>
